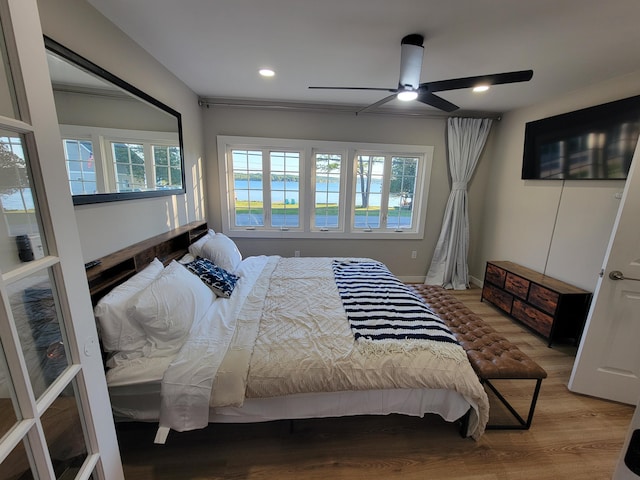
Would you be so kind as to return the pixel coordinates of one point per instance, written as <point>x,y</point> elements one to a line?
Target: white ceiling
<point>217,46</point>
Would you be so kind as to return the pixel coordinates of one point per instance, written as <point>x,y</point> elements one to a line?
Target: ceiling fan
<point>410,88</point>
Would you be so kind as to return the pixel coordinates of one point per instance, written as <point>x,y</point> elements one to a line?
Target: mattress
<point>142,403</point>
<point>292,355</point>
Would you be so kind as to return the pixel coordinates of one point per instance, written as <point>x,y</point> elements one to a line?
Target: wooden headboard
<point>113,269</point>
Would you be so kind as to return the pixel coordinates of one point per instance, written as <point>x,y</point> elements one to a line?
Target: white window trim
<point>309,147</point>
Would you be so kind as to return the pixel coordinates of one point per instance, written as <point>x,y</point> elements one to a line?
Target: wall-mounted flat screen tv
<point>592,143</point>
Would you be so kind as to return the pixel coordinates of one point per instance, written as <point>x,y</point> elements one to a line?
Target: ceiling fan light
<point>480,88</point>
<point>407,95</point>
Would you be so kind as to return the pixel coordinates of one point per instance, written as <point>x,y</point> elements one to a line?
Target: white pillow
<point>186,258</point>
<point>167,308</point>
<point>195,248</point>
<point>117,331</point>
<point>222,251</point>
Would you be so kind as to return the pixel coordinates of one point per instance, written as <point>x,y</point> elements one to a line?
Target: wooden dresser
<point>554,309</point>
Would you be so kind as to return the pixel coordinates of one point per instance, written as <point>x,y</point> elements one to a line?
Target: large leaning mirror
<point>119,143</point>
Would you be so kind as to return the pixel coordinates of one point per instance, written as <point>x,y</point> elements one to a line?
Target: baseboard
<point>411,279</point>
<point>475,281</point>
<point>472,280</point>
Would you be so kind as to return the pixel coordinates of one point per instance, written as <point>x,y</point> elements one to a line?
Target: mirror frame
<point>78,60</point>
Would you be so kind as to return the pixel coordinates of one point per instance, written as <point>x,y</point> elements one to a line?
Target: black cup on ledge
<point>25,252</point>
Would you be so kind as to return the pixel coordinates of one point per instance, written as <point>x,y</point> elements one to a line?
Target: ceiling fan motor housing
<point>412,52</point>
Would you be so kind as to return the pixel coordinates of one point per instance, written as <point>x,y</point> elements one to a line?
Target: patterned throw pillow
<point>217,279</point>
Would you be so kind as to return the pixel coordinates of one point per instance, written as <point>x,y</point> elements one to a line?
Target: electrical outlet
<point>414,254</point>
<point>296,253</point>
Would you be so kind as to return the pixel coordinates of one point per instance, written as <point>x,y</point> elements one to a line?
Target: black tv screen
<point>592,143</point>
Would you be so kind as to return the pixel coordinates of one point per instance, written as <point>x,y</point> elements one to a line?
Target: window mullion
<point>150,171</point>
<point>349,178</point>
<point>304,186</point>
<point>266,187</point>
<point>104,158</point>
<point>229,206</point>
<point>307,196</point>
<point>386,187</point>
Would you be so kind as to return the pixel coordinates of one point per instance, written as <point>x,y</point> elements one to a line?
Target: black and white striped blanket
<point>381,308</point>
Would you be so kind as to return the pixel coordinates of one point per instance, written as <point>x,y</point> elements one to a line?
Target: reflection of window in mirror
<point>102,160</point>
<point>81,168</point>
<point>119,143</point>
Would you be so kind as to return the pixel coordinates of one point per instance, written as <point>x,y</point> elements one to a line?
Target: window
<point>327,212</point>
<point>368,192</point>
<point>81,167</point>
<point>128,159</point>
<point>247,177</point>
<point>15,189</point>
<point>305,188</point>
<point>167,167</point>
<point>272,204</point>
<point>103,160</point>
<point>385,187</point>
<point>284,169</point>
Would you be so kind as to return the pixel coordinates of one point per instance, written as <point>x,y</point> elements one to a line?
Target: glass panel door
<point>52,387</point>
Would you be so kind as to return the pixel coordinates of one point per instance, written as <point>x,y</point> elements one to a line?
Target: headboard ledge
<point>113,269</point>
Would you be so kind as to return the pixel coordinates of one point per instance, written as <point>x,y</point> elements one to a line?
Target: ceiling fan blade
<point>436,101</point>
<point>356,88</point>
<point>470,82</point>
<point>377,104</point>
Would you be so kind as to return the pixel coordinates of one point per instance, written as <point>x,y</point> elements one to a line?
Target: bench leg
<point>522,424</point>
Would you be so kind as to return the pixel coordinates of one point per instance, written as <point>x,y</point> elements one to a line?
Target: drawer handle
<point>618,275</point>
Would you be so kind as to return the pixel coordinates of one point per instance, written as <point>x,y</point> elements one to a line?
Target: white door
<point>608,361</point>
<point>55,416</point>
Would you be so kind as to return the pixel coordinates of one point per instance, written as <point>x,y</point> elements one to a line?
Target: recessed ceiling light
<point>266,72</point>
<point>407,95</point>
<point>481,88</point>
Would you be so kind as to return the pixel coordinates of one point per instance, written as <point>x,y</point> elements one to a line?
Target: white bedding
<point>283,335</point>
<point>142,403</point>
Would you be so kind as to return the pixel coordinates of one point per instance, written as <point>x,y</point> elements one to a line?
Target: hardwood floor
<point>572,437</point>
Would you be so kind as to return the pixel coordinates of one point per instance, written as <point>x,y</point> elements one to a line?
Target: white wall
<point>519,217</point>
<point>339,127</point>
<point>509,218</point>
<point>111,112</point>
<point>107,227</point>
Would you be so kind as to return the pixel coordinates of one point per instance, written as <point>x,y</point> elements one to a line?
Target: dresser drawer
<point>543,298</point>
<point>499,298</point>
<point>534,318</point>
<point>516,285</point>
<point>495,275</point>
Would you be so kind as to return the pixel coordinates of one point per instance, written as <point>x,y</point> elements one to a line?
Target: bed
<point>267,338</point>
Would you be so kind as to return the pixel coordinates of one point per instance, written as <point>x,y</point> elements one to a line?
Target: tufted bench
<point>491,355</point>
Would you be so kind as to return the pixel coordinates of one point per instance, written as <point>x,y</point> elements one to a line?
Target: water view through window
<point>288,186</point>
<point>286,193</point>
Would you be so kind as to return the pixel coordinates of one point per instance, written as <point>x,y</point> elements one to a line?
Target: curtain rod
<point>328,108</point>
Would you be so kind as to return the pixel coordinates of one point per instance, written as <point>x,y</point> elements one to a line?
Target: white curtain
<point>466,139</point>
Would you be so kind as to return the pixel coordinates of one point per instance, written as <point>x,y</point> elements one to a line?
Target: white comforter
<point>284,331</point>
